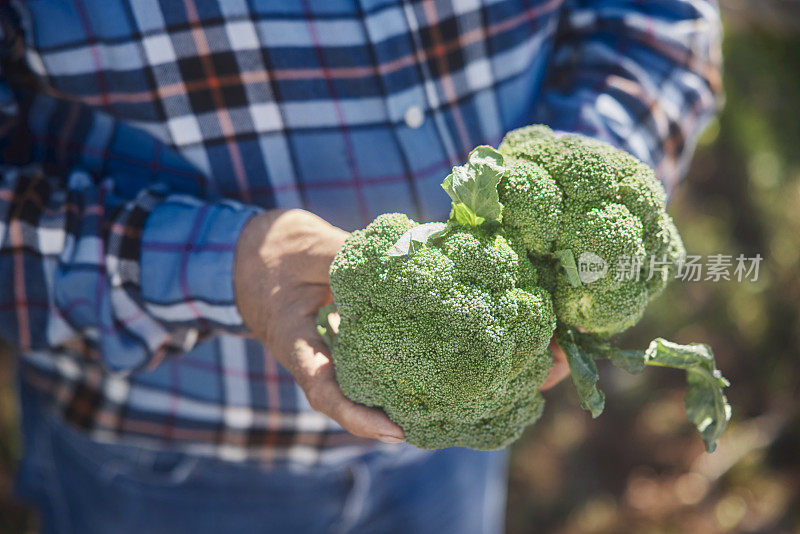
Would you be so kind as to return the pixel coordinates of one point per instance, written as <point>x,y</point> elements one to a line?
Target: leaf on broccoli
<point>416,238</point>
<point>567,260</point>
<point>584,375</point>
<point>473,187</point>
<point>631,361</point>
<point>461,214</point>
<point>706,405</point>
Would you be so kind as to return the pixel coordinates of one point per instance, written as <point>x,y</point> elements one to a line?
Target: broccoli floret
<point>451,340</point>
<point>532,204</point>
<point>572,193</point>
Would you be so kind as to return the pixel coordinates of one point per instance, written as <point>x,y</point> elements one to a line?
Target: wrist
<point>249,268</point>
<point>281,252</point>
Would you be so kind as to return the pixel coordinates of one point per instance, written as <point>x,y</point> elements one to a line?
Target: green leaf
<point>324,327</point>
<point>567,260</point>
<point>473,187</point>
<point>416,238</point>
<point>584,375</point>
<point>631,361</point>
<point>461,214</point>
<point>706,405</point>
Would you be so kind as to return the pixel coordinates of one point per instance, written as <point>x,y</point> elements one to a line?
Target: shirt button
<point>414,117</point>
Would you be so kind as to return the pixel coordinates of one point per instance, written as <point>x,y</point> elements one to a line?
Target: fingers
<point>313,369</point>
<point>325,396</point>
<point>560,369</point>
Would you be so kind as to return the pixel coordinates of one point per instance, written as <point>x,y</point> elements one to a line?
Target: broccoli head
<point>575,200</point>
<point>450,339</point>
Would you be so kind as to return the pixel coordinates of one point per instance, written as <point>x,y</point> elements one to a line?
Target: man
<point>176,177</point>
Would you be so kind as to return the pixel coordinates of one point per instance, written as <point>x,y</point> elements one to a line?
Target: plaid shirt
<point>138,137</point>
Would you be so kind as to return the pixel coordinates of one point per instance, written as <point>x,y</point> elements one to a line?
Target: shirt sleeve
<point>642,75</point>
<point>124,258</point>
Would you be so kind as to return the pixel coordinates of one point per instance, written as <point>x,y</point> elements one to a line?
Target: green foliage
<point>416,238</point>
<point>473,187</point>
<point>706,405</point>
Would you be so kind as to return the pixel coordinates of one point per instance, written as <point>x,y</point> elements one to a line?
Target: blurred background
<point>640,467</point>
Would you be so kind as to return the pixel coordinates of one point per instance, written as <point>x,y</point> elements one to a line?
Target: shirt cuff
<point>186,263</point>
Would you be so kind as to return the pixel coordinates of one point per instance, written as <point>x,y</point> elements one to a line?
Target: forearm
<point>131,280</point>
<point>642,76</point>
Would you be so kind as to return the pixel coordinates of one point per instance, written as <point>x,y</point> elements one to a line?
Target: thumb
<point>314,371</point>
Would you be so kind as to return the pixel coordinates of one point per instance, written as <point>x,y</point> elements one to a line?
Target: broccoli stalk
<point>706,405</point>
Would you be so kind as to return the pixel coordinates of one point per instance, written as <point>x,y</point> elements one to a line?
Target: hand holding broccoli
<point>281,281</point>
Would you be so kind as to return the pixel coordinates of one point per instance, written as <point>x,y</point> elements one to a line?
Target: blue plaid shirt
<point>138,137</point>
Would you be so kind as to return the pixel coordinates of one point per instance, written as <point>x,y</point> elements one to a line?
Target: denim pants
<point>82,486</point>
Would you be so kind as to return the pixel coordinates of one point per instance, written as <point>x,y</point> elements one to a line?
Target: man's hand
<point>281,282</point>
<point>560,369</point>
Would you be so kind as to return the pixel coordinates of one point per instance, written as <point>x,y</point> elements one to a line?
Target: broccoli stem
<point>705,402</point>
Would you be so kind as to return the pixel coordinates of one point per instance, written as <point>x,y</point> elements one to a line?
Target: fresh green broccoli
<point>451,340</point>
<point>575,199</point>
<point>446,326</point>
<point>571,198</point>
